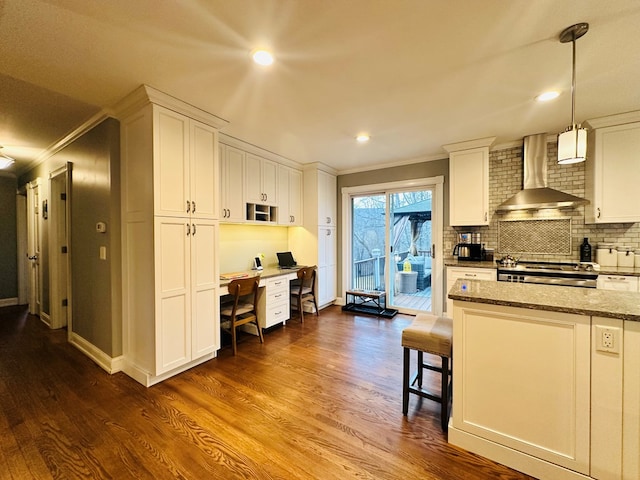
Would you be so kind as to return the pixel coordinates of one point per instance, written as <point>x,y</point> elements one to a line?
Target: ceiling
<point>414,74</point>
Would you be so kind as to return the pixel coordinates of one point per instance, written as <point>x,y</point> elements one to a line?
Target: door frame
<point>59,262</point>
<point>437,207</point>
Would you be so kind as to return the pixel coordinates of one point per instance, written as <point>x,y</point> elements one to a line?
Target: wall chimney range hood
<point>536,195</point>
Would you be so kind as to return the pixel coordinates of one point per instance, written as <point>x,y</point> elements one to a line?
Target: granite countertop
<point>454,262</point>
<point>581,301</point>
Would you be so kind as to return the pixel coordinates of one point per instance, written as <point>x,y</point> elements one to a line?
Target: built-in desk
<point>273,294</point>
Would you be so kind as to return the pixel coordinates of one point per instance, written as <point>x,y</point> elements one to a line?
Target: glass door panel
<point>368,226</point>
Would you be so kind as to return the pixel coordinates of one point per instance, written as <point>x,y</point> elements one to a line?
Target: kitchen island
<point>546,379</point>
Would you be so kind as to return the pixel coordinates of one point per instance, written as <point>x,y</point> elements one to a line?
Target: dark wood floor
<point>320,400</point>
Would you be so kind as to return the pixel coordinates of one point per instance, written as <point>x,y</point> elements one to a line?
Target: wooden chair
<point>243,308</point>
<point>303,289</point>
<point>433,335</point>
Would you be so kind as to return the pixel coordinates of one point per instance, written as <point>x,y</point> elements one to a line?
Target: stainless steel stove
<point>549,273</point>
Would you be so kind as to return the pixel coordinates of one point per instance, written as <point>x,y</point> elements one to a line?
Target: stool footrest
<point>425,394</point>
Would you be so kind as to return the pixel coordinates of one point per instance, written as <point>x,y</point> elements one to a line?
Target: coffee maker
<point>468,247</point>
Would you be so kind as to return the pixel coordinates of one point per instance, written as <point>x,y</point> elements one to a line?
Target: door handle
<point>34,257</point>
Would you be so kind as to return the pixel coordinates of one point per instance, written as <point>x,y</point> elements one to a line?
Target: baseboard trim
<point>142,376</point>
<point>108,364</point>
<point>511,458</point>
<point>8,302</point>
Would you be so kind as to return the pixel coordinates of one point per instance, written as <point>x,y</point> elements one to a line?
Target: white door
<point>34,240</point>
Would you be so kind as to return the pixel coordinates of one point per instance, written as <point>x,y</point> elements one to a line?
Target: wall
<point>95,197</point>
<point>505,179</point>
<point>239,244</point>
<point>8,241</point>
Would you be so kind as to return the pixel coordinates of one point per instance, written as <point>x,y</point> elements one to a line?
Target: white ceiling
<point>415,74</point>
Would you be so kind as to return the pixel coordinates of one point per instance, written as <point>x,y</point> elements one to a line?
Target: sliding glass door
<point>391,242</point>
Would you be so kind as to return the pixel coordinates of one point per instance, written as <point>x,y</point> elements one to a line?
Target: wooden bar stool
<point>431,334</point>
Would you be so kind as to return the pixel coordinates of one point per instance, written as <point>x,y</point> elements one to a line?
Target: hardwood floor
<point>319,400</point>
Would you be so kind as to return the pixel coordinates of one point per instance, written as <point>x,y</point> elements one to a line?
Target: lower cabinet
<point>521,381</point>
<point>470,273</point>
<point>327,271</point>
<point>275,304</point>
<point>621,283</point>
<point>170,298</point>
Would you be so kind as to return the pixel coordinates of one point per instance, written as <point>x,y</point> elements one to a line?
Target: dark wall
<point>8,239</point>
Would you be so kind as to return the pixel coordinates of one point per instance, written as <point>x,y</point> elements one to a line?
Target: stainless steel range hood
<point>536,195</point>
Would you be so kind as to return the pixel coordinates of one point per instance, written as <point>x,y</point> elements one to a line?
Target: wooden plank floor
<point>319,400</point>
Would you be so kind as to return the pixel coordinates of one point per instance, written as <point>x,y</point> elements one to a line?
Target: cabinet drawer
<point>279,296</point>
<point>277,313</point>
<point>277,284</point>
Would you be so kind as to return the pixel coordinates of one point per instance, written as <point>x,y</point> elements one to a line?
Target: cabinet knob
<point>193,207</point>
<point>598,214</point>
<point>193,229</point>
<point>188,229</point>
<point>188,206</point>
<point>328,219</point>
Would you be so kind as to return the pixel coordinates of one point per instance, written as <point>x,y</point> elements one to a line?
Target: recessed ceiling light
<point>262,57</point>
<point>362,138</point>
<point>546,96</point>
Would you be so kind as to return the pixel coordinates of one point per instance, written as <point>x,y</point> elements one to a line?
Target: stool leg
<point>420,363</point>
<point>444,407</point>
<point>405,381</point>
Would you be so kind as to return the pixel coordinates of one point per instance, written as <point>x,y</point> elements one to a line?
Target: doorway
<point>393,234</point>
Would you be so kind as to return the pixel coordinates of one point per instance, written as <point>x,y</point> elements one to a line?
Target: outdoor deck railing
<point>368,274</point>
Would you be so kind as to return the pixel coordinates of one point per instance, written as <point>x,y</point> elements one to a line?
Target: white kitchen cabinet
<point>316,243</point>
<point>612,171</point>
<point>289,196</point>
<point>326,199</point>
<point>232,208</point>
<point>185,165</point>
<point>187,292</point>
<point>621,283</point>
<point>469,187</point>
<point>170,193</point>
<point>326,278</point>
<point>276,305</point>
<point>631,402</point>
<point>522,387</point>
<point>469,273</point>
<point>261,176</point>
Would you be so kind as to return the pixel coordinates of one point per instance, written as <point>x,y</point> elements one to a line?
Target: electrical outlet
<point>607,339</point>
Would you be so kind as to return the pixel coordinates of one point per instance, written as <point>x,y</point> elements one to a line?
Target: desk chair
<point>303,289</point>
<point>243,309</point>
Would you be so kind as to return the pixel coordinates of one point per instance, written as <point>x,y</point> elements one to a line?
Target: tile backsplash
<point>505,179</point>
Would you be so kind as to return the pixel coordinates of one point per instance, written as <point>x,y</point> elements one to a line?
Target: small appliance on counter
<point>469,247</point>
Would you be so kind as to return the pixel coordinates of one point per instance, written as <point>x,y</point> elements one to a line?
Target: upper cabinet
<point>260,180</point>
<point>257,186</point>
<point>469,182</point>
<point>185,165</point>
<point>612,170</point>
<point>290,196</point>
<point>231,184</point>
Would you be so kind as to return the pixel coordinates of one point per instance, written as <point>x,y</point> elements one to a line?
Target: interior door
<point>34,242</point>
<point>59,248</point>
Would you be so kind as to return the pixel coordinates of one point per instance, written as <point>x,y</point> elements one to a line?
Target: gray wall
<point>8,239</point>
<point>95,197</point>
<point>392,174</point>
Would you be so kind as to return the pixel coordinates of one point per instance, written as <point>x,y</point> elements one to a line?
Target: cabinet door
<point>270,182</point>
<point>205,320</point>
<point>469,187</point>
<point>204,171</point>
<point>326,199</point>
<point>171,162</point>
<point>295,196</point>
<point>618,282</point>
<point>173,301</point>
<point>455,273</point>
<point>232,184</point>
<point>326,265</point>
<point>253,179</point>
<point>616,175</point>
<point>289,196</point>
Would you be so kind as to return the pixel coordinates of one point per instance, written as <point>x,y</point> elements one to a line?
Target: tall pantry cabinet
<point>316,243</point>
<point>170,195</point>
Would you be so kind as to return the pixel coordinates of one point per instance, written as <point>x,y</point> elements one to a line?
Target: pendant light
<point>572,143</point>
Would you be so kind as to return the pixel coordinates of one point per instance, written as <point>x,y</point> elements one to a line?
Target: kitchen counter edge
<point>580,301</point>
